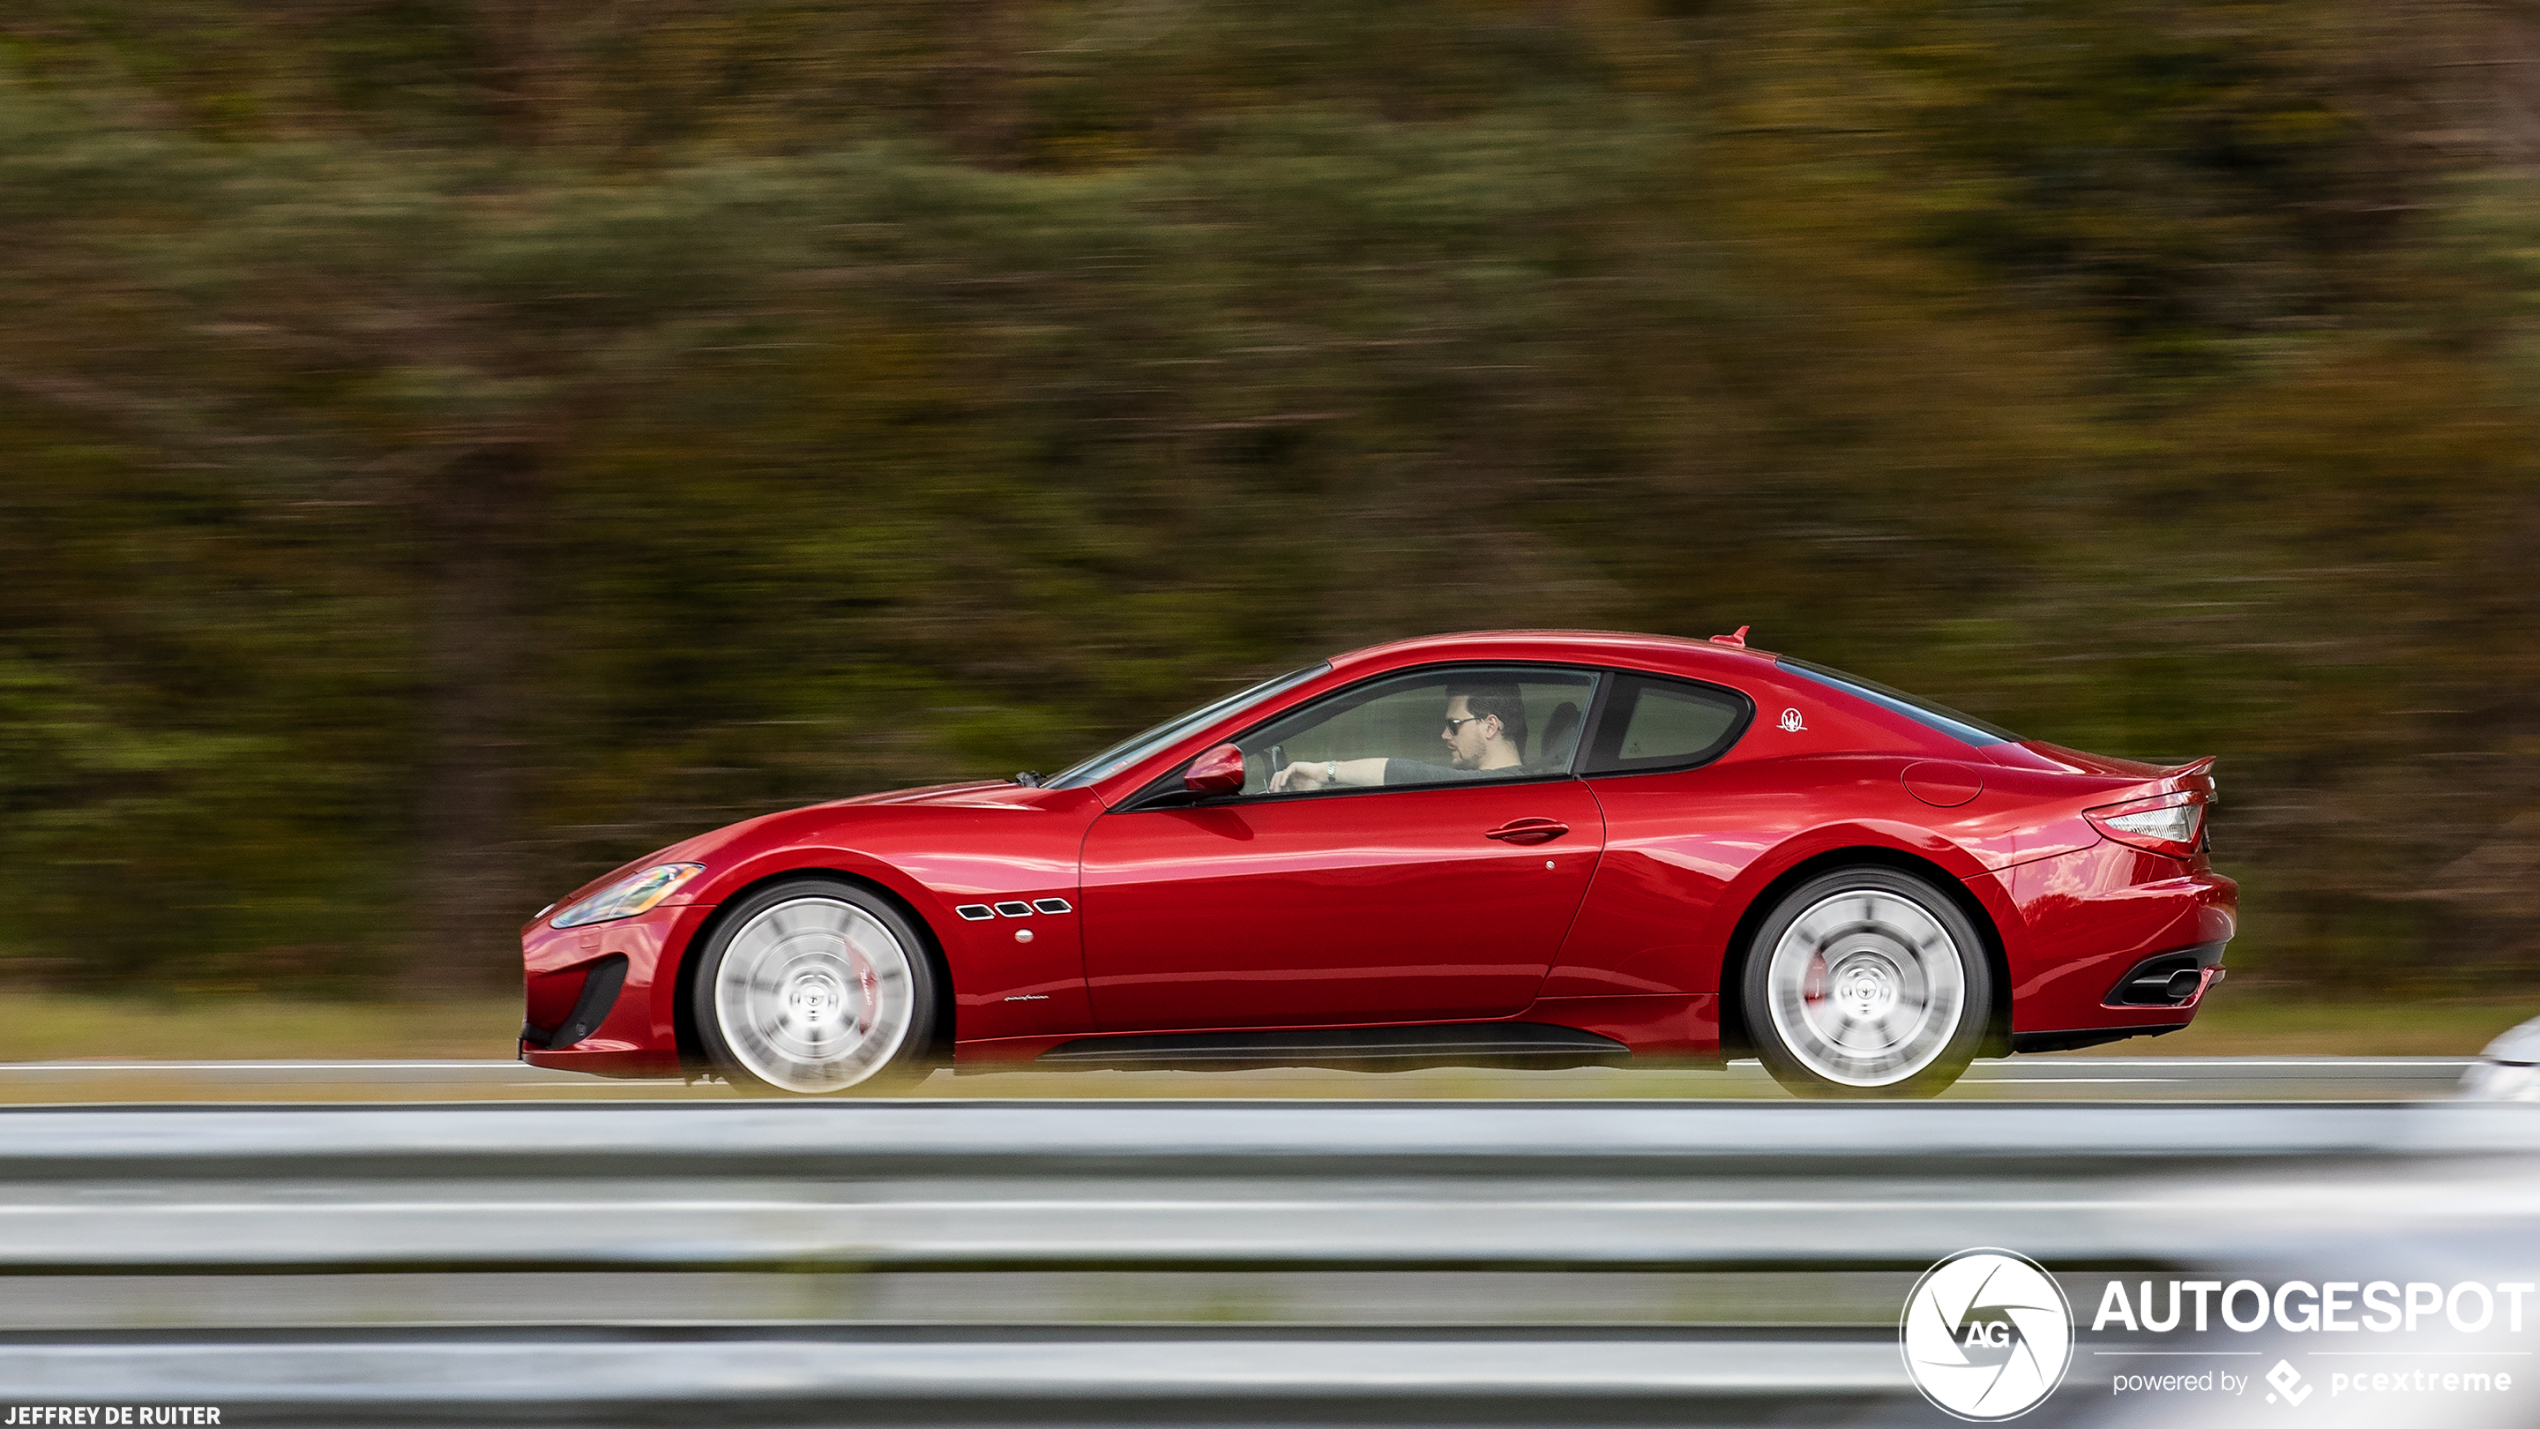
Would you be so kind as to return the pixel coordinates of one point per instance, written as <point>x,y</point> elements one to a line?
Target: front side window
<point>1455,724</point>
<point>1651,724</point>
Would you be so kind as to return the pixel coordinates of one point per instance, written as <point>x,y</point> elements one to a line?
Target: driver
<point>1485,731</point>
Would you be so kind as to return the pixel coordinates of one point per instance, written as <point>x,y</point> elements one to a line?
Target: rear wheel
<point>814,985</point>
<point>1866,982</point>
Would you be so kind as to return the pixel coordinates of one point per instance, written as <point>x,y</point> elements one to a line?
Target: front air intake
<point>600,988</point>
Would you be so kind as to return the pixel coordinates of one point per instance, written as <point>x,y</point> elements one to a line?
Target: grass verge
<point>2234,1023</point>
<point>44,1027</point>
<point>50,1027</point>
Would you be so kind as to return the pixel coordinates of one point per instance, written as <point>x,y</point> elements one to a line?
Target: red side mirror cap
<point>1217,771</point>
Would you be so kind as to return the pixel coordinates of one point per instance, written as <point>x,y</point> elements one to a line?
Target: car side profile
<point>1528,848</point>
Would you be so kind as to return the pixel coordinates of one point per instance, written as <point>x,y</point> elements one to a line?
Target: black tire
<point>812,986</point>
<point>1866,982</point>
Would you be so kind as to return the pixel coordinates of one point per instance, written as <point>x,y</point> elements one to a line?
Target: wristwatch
<point>1331,771</point>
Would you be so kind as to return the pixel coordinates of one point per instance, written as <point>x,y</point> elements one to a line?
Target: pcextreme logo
<point>1987,1335</point>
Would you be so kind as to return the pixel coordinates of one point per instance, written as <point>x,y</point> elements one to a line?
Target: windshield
<point>1914,707</point>
<point>1138,746</point>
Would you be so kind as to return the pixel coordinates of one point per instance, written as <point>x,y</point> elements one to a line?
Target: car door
<point>1440,894</point>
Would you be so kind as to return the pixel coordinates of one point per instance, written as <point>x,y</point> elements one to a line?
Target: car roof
<point>1757,672</point>
<point>1596,647</point>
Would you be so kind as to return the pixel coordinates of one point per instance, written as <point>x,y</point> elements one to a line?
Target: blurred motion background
<point>449,448</point>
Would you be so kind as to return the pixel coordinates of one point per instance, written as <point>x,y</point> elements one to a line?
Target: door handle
<point>1528,831</point>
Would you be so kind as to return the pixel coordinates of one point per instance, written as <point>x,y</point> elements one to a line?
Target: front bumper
<point>638,1035</point>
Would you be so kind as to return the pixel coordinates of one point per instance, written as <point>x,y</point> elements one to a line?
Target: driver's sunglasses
<point>1455,726</point>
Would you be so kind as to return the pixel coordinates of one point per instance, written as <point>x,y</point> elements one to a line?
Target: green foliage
<point>528,434</point>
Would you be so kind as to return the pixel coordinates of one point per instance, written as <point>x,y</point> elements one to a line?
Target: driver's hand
<point>1297,778</point>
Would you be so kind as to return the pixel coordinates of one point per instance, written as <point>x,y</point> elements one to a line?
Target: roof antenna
<point>1738,639</point>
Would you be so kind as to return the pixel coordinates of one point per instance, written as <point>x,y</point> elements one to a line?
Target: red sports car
<point>1539,848</point>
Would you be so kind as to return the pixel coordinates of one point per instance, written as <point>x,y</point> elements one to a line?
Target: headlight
<point>628,896</point>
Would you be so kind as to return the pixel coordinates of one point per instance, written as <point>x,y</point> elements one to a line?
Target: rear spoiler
<point>2195,776</point>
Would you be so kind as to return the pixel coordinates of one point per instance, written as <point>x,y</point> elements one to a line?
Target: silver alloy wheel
<point>1866,987</point>
<point>814,995</point>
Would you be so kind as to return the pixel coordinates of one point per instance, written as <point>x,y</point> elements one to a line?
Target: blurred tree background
<point>448,447</point>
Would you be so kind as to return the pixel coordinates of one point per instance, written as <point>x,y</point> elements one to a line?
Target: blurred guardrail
<point>1254,1262</point>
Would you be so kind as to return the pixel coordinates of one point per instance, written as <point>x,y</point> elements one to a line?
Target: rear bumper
<point>2079,926</point>
<point>639,1034</point>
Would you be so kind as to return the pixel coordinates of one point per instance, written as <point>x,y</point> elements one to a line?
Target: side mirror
<point>1217,771</point>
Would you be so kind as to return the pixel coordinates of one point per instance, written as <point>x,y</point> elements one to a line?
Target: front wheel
<point>1866,982</point>
<point>813,985</point>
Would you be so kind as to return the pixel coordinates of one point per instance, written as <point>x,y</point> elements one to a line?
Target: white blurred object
<point>2509,1070</point>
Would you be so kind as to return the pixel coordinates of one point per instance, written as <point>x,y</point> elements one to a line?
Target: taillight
<point>2165,823</point>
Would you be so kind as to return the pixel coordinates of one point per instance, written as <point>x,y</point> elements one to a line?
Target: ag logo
<point>1791,723</point>
<point>1987,1335</point>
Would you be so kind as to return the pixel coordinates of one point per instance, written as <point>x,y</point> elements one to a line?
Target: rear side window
<point>1650,724</point>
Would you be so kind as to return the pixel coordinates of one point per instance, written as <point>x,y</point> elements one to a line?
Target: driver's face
<point>1467,738</point>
